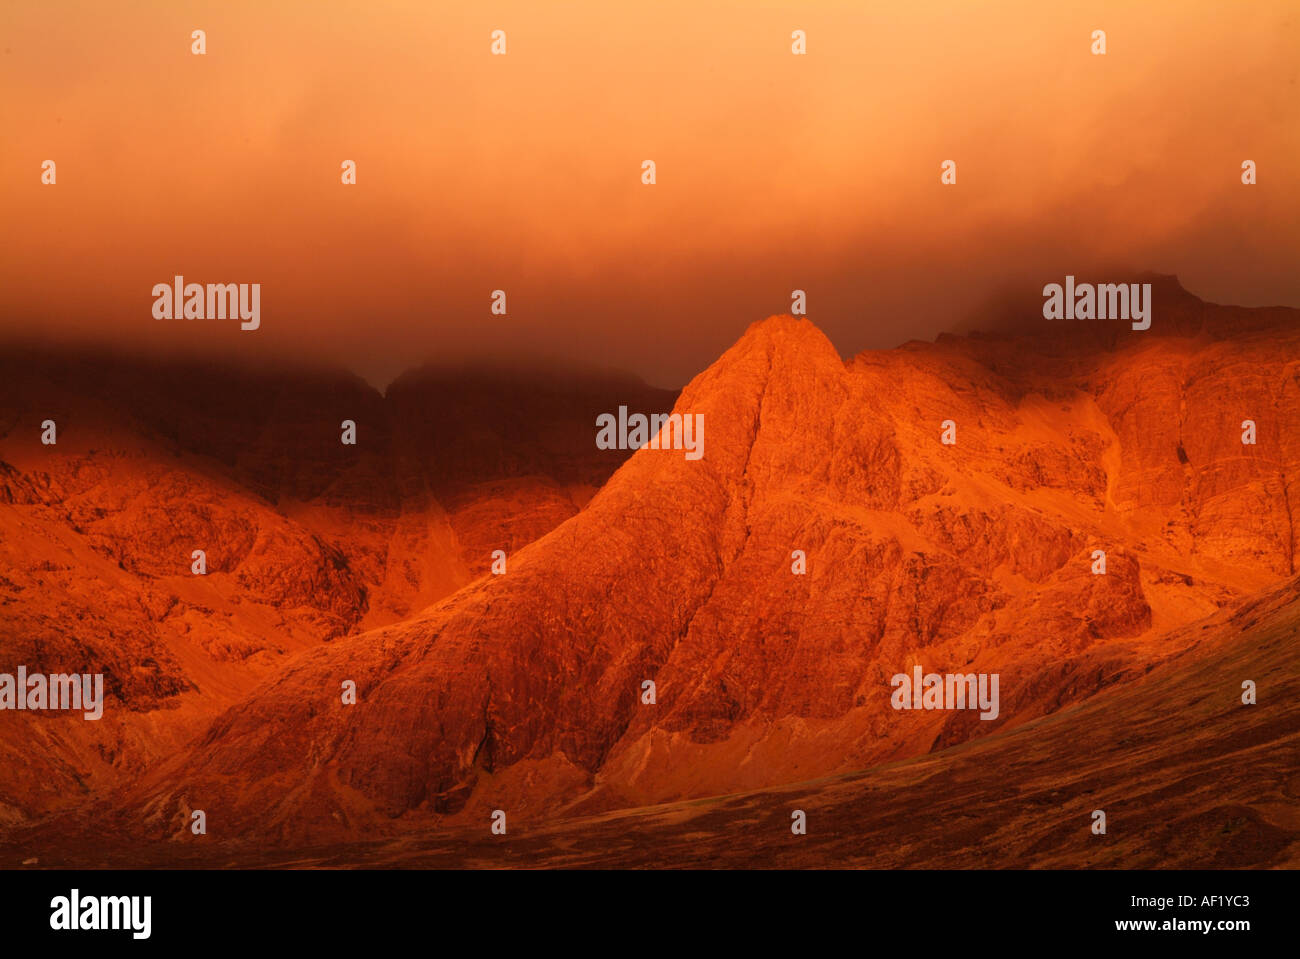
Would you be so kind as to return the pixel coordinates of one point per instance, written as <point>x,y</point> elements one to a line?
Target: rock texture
<point>1187,775</point>
<point>523,692</point>
<point>306,540</point>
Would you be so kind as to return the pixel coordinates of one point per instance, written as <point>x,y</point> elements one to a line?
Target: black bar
<point>649,911</point>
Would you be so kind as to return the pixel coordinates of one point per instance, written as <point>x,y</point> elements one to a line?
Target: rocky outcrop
<point>306,540</point>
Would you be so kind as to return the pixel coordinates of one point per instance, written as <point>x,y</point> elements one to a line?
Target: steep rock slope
<point>523,691</point>
<point>306,539</point>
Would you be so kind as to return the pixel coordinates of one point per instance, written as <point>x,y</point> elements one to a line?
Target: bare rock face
<point>305,539</point>
<point>525,691</point>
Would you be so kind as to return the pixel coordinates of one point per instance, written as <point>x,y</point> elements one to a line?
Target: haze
<point>522,172</point>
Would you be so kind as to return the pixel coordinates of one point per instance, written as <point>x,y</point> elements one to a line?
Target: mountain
<point>523,692</point>
<point>306,539</point>
<point>1186,774</point>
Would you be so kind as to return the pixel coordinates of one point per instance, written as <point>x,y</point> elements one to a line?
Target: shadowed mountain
<point>306,539</point>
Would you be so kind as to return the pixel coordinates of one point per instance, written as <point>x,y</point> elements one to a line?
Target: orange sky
<point>522,172</point>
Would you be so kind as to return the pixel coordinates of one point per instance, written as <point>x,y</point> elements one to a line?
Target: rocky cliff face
<point>524,691</point>
<point>306,540</point>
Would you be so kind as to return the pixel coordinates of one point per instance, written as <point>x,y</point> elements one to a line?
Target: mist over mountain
<point>828,540</point>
